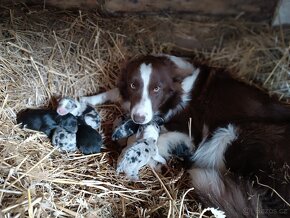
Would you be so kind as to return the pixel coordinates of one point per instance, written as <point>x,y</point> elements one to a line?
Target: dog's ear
<point>182,68</point>
<point>180,74</point>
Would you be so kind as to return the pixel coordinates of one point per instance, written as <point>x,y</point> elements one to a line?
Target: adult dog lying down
<point>236,127</point>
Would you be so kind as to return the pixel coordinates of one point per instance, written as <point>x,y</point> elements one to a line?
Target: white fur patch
<point>144,107</point>
<point>151,131</point>
<point>187,85</point>
<point>180,62</point>
<point>216,212</point>
<point>81,107</point>
<point>210,153</point>
<point>112,95</point>
<point>207,181</point>
<point>69,105</point>
<point>92,119</point>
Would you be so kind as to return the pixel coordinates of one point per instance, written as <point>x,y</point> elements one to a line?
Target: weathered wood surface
<point>251,10</point>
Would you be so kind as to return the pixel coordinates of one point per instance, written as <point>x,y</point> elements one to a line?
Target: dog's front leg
<point>112,95</point>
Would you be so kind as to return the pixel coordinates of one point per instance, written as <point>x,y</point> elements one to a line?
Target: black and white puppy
<point>43,120</point>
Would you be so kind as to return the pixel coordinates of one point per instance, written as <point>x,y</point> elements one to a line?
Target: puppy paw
<point>93,119</point>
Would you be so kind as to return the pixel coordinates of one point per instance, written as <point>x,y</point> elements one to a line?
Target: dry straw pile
<point>48,54</point>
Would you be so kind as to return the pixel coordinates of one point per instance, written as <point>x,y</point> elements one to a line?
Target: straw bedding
<point>47,54</point>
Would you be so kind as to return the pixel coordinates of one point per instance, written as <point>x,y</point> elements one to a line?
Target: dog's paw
<point>84,100</point>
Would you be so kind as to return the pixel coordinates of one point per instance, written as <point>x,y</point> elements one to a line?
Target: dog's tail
<point>212,189</point>
<point>238,197</point>
<point>214,186</point>
<point>235,197</point>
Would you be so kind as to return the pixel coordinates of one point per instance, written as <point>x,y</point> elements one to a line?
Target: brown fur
<point>165,74</point>
<point>218,99</point>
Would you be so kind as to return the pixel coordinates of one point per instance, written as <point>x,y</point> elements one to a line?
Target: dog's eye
<point>156,89</point>
<point>133,86</point>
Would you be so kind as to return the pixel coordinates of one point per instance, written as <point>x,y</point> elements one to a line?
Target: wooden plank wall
<point>251,10</point>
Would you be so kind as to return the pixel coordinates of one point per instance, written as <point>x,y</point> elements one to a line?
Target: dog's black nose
<point>137,118</point>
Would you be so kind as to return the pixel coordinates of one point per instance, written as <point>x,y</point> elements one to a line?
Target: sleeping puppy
<point>85,113</point>
<point>60,129</point>
<point>46,120</point>
<point>88,140</point>
<point>43,120</point>
<point>69,105</point>
<point>142,152</point>
<point>64,136</point>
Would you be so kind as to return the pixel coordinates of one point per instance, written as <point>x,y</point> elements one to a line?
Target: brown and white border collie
<point>241,134</point>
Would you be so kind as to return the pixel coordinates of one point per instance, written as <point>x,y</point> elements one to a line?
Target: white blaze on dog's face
<point>145,84</point>
<point>141,111</point>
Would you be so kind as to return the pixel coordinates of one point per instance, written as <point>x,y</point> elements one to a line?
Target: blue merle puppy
<point>143,152</point>
<point>64,136</point>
